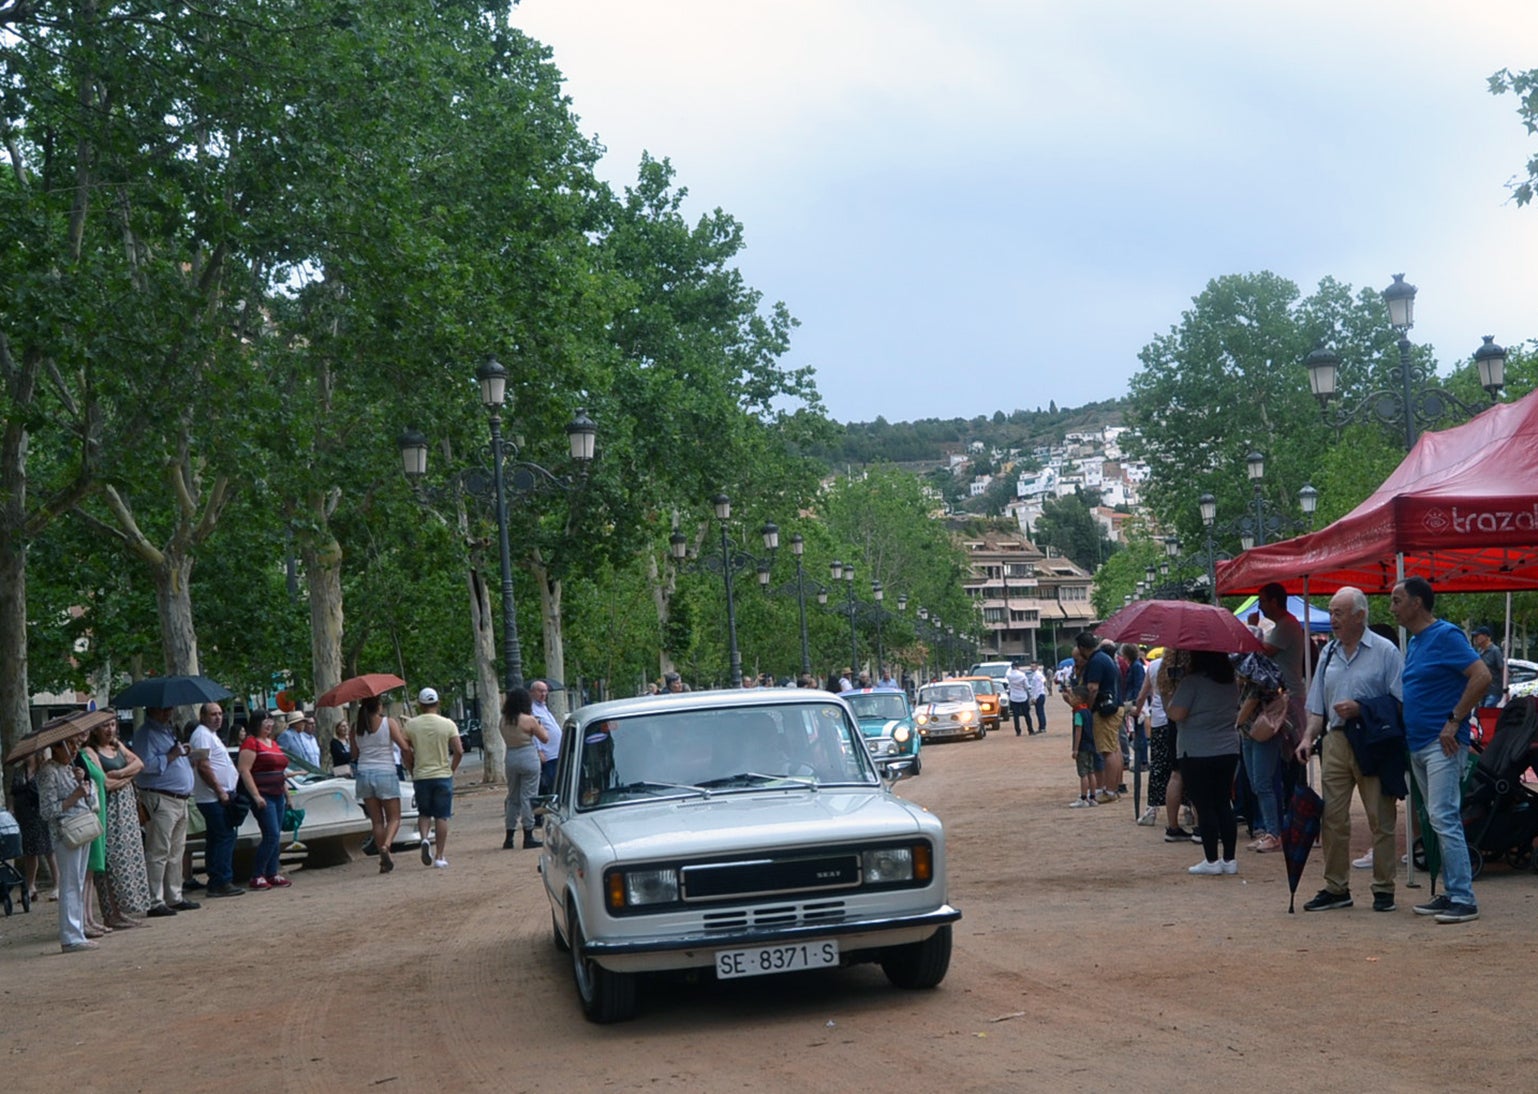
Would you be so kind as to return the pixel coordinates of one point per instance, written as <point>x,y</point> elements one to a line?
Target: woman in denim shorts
<point>374,741</point>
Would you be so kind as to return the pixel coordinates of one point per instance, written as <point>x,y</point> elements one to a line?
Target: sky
<point>986,205</point>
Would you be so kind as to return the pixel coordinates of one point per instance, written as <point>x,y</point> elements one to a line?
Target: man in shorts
<point>1099,675</point>
<point>434,753</point>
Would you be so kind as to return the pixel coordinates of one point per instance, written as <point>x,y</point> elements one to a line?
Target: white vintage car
<point>743,832</point>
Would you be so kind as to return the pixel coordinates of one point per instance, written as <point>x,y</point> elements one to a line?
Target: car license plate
<point>761,960</point>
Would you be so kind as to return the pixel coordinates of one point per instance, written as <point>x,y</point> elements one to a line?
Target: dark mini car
<point>886,720</point>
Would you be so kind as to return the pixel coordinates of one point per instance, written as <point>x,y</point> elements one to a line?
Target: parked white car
<point>742,832</point>
<point>1521,678</point>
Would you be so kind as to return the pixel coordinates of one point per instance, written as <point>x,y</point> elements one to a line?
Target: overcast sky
<point>990,204</point>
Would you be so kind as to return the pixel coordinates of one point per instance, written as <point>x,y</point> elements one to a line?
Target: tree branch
<point>127,530</point>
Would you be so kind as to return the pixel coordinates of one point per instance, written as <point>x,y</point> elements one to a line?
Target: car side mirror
<point>894,768</point>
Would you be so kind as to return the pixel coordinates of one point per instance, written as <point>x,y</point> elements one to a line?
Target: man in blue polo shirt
<point>1443,681</point>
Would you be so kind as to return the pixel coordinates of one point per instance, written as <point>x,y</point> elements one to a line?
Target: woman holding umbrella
<point>1204,705</point>
<point>375,738</point>
<point>63,789</point>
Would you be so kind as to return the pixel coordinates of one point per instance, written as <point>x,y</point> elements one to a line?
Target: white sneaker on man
<point>1365,862</point>
<point>1150,817</point>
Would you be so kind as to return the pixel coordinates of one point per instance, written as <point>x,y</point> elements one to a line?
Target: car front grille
<point>775,915</point>
<point>770,876</point>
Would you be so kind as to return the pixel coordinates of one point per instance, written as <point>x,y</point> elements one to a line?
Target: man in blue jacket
<point>1444,679</point>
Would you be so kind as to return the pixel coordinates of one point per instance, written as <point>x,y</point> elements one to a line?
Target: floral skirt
<point>124,887</point>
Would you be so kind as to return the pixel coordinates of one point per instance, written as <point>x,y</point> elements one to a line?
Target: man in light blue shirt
<point>165,786</point>
<point>1358,664</point>
<point>298,740</point>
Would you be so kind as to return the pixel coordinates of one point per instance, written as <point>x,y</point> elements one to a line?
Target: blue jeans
<point>270,819</point>
<point>1440,780</point>
<point>1041,713</point>
<point>1261,761</point>
<point>218,844</point>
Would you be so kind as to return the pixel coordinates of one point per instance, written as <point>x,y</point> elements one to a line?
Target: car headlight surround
<point>966,715</point>
<point>922,719</point>
<point>642,888</point>
<point>886,865</point>
<point>902,735</point>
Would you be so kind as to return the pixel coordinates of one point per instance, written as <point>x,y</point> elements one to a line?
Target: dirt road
<point>1087,956</point>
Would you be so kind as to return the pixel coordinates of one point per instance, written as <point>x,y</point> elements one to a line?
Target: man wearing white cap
<point>433,754</point>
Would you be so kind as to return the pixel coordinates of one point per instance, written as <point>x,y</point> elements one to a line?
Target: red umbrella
<point>360,687</point>
<point>1183,624</point>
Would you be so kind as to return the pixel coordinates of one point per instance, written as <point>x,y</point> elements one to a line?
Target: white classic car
<point>744,832</point>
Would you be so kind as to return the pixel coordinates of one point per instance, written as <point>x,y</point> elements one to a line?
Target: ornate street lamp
<point>1416,404</point>
<point>581,432</point>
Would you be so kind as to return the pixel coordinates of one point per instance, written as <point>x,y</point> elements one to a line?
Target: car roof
<point>732,698</point>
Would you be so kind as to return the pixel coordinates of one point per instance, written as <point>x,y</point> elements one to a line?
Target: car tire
<point>606,996</point>
<point>918,766</point>
<point>561,945</point>
<point>982,731</point>
<point>919,964</point>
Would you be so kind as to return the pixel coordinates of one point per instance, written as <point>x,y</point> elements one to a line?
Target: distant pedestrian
<point>1495,661</point>
<point>550,745</point>
<point>523,734</point>
<point>1018,684</point>
<point>376,742</point>
<point>435,751</point>
<point>165,788</point>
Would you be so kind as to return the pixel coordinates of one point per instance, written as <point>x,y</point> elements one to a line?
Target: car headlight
<point>902,734</point>
<point>886,865</point>
<point>638,888</point>
<point>922,719</point>
<point>966,715</point>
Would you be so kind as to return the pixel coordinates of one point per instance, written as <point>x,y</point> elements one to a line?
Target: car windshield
<point>879,704</point>
<point>698,752</point>
<point>982,687</point>
<point>947,693</point>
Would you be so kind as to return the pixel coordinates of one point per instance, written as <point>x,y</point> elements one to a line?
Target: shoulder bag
<point>79,827</point>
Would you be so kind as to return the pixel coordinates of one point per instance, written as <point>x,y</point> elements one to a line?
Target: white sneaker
<point>1229,866</point>
<point>441,863</point>
<point>1081,803</point>
<point>1210,869</point>
<point>1149,817</point>
<point>1365,862</point>
<point>1104,796</point>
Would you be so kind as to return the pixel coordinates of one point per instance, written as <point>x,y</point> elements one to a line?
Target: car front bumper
<point>650,954</point>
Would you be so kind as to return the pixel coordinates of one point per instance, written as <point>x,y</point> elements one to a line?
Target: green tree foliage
<point>1524,85</point>
<point>1068,525</point>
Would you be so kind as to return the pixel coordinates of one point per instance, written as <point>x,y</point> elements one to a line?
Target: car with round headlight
<point>735,834</point>
<point>947,710</point>
<point>886,719</point>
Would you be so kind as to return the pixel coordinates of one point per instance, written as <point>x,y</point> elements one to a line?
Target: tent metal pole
<point>1409,810</point>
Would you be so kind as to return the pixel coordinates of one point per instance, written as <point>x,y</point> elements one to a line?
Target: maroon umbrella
<point>360,687</point>
<point>1182,624</point>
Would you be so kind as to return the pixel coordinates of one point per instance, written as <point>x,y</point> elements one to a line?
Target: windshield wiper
<point>752,777</point>
<point>647,784</point>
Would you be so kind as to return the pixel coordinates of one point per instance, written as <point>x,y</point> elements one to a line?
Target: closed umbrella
<point>1298,836</point>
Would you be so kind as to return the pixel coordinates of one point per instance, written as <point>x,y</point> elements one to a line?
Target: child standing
<point>1086,759</point>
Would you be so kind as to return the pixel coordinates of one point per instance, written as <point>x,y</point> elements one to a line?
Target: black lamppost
<point>846,571</point>
<point>877,593</point>
<point>581,435</point>
<point>797,547</point>
<point>730,563</point>
<point>1416,404</point>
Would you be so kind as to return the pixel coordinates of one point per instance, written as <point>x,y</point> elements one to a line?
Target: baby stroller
<point>1500,814</point>
<point>10,848</point>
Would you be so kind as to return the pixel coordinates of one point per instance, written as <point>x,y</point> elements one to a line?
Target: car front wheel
<point>919,964</point>
<point>606,996</point>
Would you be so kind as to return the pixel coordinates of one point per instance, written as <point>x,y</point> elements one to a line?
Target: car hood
<point>947,708</point>
<point>767,819</point>
<point>881,727</point>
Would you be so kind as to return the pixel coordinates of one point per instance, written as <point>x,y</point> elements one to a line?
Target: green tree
<point>1524,85</point>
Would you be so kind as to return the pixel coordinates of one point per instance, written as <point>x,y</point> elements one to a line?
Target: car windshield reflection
<point>676,754</point>
<point>947,693</point>
<point>887,705</point>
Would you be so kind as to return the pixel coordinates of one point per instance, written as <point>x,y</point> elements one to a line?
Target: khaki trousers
<point>165,838</point>
<point>1339,774</point>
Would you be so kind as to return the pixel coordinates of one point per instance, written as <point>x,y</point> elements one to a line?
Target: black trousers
<point>1209,783</point>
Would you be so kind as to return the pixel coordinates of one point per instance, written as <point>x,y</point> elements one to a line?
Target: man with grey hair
<point>1358,664</point>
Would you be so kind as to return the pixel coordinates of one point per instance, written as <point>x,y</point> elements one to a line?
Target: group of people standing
<point>1209,714</point>
<point>532,734</point>
<point>1026,688</point>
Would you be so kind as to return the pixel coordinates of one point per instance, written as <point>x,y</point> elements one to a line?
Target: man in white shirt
<point>212,792</point>
<point>549,751</point>
<point>1018,683</point>
<point>298,740</point>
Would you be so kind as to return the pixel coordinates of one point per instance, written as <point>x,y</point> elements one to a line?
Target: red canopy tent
<point>1462,509</point>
